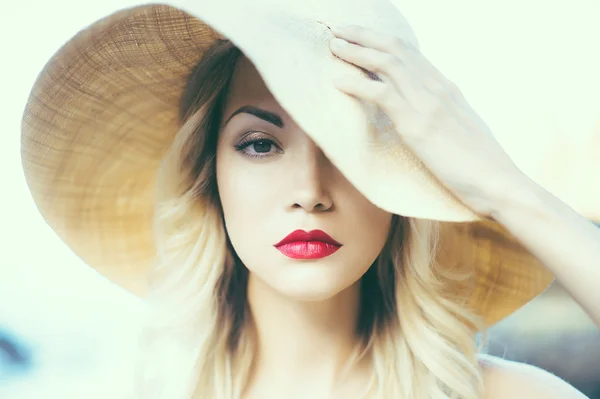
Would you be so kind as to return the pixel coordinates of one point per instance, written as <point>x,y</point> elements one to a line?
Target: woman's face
<point>273,180</point>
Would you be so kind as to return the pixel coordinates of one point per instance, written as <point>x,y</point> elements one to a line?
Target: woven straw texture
<point>104,111</point>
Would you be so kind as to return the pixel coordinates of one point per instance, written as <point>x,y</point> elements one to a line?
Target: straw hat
<point>104,111</point>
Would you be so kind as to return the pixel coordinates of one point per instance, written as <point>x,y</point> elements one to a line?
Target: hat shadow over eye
<point>108,105</point>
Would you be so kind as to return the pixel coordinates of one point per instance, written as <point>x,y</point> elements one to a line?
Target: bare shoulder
<point>505,379</point>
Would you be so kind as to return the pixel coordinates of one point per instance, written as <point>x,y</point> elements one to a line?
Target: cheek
<point>247,200</point>
<point>378,224</point>
<point>369,228</point>
<point>236,197</point>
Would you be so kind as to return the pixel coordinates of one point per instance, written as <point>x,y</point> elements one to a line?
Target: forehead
<point>248,88</point>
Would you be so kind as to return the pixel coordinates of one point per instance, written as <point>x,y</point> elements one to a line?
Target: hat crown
<point>382,15</point>
<point>105,110</point>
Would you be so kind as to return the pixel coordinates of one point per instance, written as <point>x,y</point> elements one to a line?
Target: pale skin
<point>448,129</point>
<point>305,313</point>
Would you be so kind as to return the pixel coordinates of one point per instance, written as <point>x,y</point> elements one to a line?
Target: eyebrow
<point>265,115</point>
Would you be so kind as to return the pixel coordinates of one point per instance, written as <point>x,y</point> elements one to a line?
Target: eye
<point>257,146</point>
<point>261,146</point>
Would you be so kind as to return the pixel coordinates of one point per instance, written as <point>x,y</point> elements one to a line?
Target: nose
<point>311,181</point>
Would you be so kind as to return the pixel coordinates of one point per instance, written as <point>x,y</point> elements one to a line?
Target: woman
<point>279,268</point>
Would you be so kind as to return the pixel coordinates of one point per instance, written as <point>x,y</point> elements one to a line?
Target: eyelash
<point>251,139</point>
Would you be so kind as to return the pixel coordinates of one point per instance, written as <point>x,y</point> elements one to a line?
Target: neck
<point>301,342</point>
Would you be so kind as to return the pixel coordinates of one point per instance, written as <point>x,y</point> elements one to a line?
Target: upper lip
<point>313,235</point>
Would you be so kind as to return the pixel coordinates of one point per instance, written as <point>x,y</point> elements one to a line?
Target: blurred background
<point>529,68</point>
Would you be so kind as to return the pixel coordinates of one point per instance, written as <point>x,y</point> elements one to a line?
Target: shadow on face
<point>273,180</point>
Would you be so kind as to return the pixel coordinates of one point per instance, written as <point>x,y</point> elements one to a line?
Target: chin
<point>312,285</point>
<point>309,294</point>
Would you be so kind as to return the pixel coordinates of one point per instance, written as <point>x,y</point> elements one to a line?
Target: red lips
<point>314,244</point>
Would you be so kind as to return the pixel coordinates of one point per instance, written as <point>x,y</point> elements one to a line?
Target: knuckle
<point>445,91</point>
<point>394,43</point>
<point>411,48</point>
<point>385,62</point>
<point>352,29</point>
<point>451,92</point>
<point>382,93</point>
<point>423,128</point>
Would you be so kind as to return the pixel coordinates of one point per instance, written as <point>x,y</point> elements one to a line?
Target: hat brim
<point>104,111</point>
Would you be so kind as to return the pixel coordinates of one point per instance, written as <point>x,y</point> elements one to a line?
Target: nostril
<point>320,207</point>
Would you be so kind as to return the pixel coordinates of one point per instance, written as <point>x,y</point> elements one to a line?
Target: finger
<point>370,38</point>
<point>368,58</point>
<point>409,122</point>
<point>378,92</point>
<point>387,67</point>
<point>420,68</point>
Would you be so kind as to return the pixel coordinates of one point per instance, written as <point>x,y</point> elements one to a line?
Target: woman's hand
<point>439,126</point>
<point>431,115</point>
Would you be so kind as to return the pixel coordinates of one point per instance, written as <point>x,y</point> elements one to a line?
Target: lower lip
<point>308,249</point>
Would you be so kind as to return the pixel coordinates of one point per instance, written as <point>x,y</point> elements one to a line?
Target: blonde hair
<point>198,341</point>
